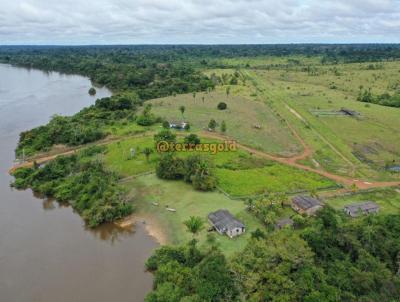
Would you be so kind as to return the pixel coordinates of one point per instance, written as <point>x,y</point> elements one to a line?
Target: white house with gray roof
<point>361,208</point>
<point>225,223</point>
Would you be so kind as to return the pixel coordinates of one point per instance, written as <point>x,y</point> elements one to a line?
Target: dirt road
<point>292,161</point>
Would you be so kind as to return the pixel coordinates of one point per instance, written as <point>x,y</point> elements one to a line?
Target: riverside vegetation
<point>265,97</point>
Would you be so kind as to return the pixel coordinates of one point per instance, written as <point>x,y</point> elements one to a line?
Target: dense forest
<point>332,259</point>
<point>81,181</point>
<point>86,126</point>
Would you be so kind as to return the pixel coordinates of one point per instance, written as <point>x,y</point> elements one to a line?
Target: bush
<point>222,106</point>
<point>170,167</point>
<point>192,139</point>
<point>92,91</point>
<point>165,135</point>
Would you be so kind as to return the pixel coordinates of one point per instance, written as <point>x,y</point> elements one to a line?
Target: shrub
<point>170,167</point>
<point>192,139</point>
<point>222,106</point>
<point>92,91</point>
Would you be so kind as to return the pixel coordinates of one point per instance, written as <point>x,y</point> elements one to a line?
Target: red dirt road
<point>292,161</point>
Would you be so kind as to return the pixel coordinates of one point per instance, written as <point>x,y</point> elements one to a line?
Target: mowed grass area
<point>341,144</point>
<point>118,156</point>
<point>239,173</point>
<point>388,200</point>
<point>181,196</point>
<point>242,115</point>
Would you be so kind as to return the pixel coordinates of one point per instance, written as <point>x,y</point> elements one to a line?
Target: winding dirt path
<point>45,157</point>
<point>292,161</point>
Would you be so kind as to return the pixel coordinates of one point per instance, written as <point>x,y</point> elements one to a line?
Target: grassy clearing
<point>388,200</point>
<point>238,173</point>
<point>365,144</point>
<point>242,114</point>
<point>271,178</point>
<point>118,156</point>
<point>188,202</point>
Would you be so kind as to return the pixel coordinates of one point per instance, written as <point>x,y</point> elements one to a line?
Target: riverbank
<point>152,226</point>
<point>48,254</point>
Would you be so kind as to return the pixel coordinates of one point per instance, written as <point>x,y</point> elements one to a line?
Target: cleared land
<point>243,115</point>
<point>354,146</point>
<point>148,189</point>
<point>239,173</point>
<point>388,200</point>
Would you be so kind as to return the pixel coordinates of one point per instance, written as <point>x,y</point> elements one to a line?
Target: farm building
<point>349,112</point>
<point>177,125</point>
<point>361,208</point>
<point>225,223</point>
<point>280,224</point>
<point>306,205</point>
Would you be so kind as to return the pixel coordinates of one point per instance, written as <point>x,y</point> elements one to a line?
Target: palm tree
<point>194,224</point>
<point>223,127</point>
<point>182,110</point>
<point>228,91</point>
<point>147,151</point>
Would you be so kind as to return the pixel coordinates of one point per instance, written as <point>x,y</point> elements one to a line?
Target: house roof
<point>282,222</point>
<point>223,220</point>
<point>362,206</point>
<point>306,202</point>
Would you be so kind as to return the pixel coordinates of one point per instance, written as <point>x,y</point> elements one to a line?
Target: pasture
<point>387,199</point>
<point>148,189</point>
<point>354,146</point>
<point>238,173</point>
<point>247,118</point>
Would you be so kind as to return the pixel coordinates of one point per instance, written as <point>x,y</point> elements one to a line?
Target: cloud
<point>198,21</point>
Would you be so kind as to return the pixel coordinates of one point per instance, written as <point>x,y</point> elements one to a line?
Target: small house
<point>280,224</point>
<point>225,223</point>
<point>306,205</point>
<point>177,125</point>
<point>361,208</point>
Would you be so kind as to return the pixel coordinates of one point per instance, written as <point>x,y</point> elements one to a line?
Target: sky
<point>81,22</point>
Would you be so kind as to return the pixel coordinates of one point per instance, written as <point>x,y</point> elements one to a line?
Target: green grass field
<point>357,147</point>
<point>188,202</point>
<point>242,115</point>
<point>238,173</point>
<point>270,178</point>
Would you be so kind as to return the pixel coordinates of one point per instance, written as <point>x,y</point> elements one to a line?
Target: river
<point>46,253</point>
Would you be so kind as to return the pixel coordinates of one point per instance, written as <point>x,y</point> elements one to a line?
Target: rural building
<point>280,224</point>
<point>177,125</point>
<point>306,205</point>
<point>361,208</point>
<point>349,112</point>
<point>225,223</point>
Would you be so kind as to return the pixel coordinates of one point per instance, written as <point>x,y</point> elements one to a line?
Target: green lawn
<point>187,202</point>
<point>388,200</point>
<point>270,178</point>
<point>118,156</point>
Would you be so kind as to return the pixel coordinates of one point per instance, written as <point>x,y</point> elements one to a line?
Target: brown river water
<point>46,253</point>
